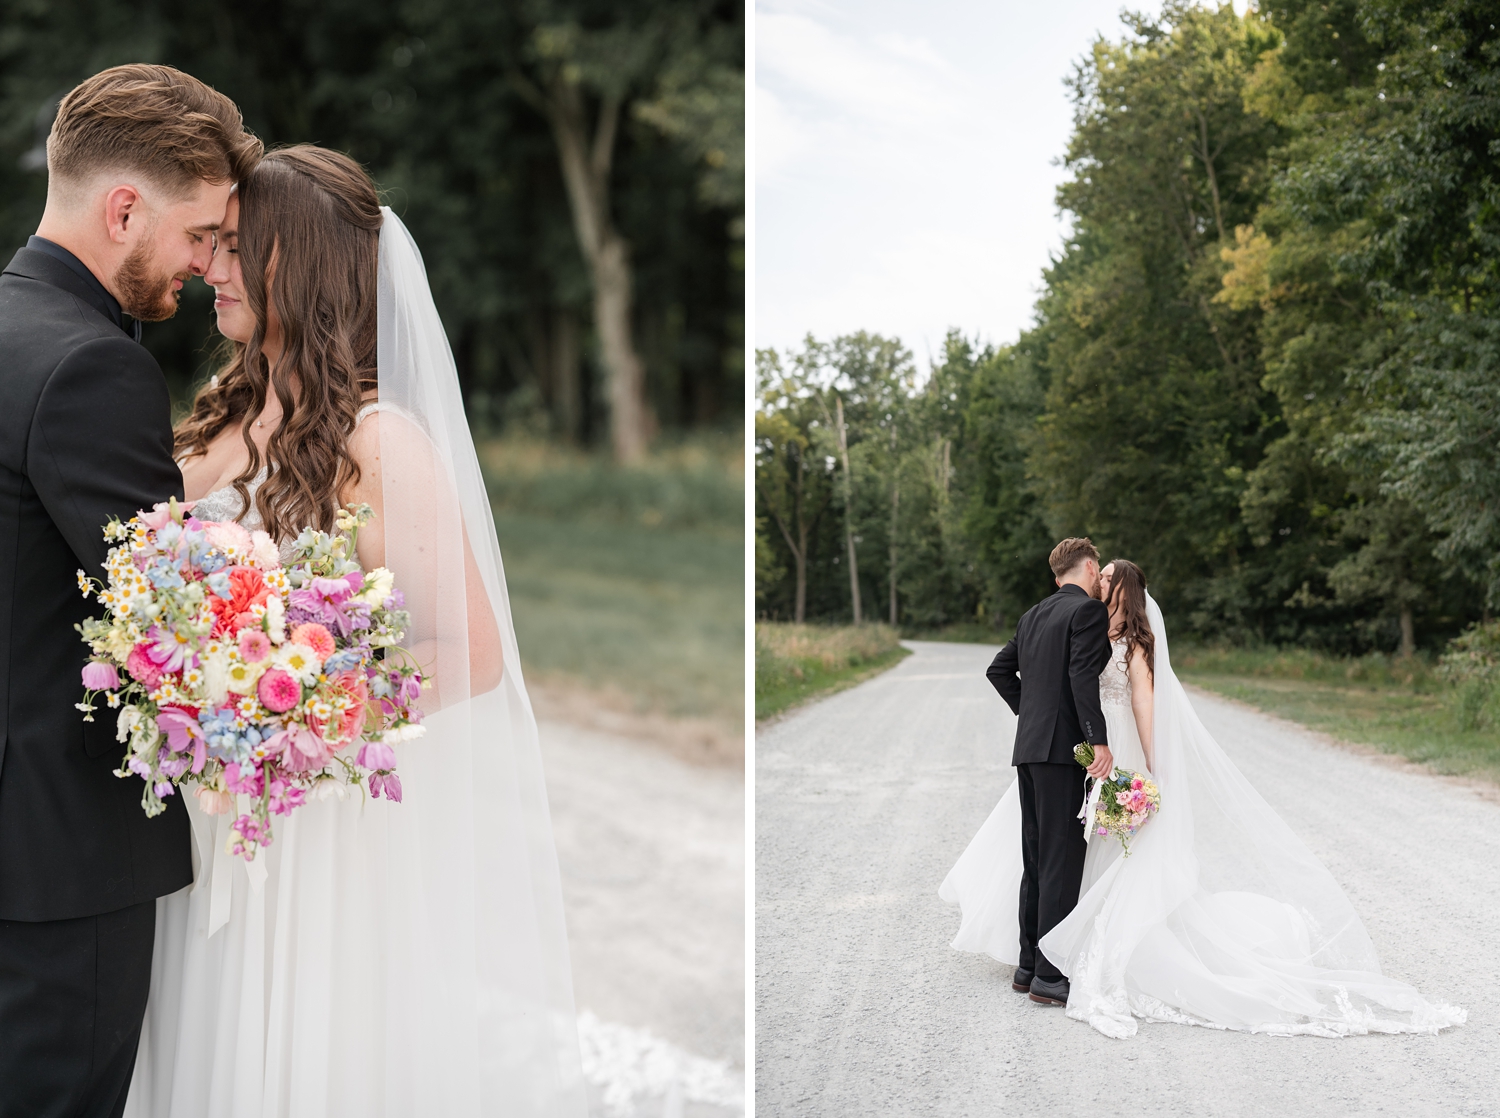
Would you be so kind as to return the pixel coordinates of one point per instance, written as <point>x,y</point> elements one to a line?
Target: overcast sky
<point>905,162</point>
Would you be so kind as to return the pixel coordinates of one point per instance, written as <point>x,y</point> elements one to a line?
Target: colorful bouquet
<point>1118,805</point>
<point>250,680</point>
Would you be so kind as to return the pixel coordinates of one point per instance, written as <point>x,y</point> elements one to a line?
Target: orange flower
<point>247,588</point>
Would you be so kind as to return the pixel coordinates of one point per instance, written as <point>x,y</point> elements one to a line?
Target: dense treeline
<point>1266,365</point>
<point>573,170</point>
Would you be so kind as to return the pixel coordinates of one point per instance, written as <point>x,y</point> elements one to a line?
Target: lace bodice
<point>1114,680</point>
<point>225,504</point>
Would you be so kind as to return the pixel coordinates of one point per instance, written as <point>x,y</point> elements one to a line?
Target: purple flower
<point>327,601</point>
<point>389,783</point>
<point>376,755</point>
<point>164,788</point>
<point>98,676</point>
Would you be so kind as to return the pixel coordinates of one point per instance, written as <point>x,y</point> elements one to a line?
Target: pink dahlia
<point>278,691</point>
<point>315,637</point>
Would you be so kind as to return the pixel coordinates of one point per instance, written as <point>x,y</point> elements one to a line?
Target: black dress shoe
<point>1020,982</point>
<point>1049,991</point>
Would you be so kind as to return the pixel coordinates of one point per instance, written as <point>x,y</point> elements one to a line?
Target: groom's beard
<point>145,293</point>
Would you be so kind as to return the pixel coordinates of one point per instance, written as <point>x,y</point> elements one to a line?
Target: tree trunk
<point>800,613</point>
<point>895,509</point>
<point>566,389</point>
<point>1208,165</point>
<point>586,170</point>
<point>1408,634</point>
<point>838,404</point>
<point>895,505</point>
<point>797,547</point>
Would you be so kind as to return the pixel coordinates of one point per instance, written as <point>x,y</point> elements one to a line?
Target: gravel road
<point>864,801</point>
<point>652,852</point>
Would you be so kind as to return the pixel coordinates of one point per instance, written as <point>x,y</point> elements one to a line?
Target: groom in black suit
<point>140,165</point>
<point>1049,676</point>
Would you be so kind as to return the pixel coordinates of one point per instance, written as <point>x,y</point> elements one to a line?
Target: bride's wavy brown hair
<point>309,237</point>
<point>1129,587</point>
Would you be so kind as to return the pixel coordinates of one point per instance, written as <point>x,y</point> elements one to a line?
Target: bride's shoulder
<point>386,439</point>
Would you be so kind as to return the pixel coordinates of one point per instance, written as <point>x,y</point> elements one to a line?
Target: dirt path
<point>652,853</point>
<point>865,800</point>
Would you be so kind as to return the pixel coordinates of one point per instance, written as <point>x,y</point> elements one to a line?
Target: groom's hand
<point>1104,763</point>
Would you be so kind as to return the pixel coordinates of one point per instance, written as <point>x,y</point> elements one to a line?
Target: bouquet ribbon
<point>1092,787</point>
<point>216,865</point>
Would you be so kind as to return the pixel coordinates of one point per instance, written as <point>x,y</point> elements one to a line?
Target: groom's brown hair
<point>154,121</point>
<point>1072,551</point>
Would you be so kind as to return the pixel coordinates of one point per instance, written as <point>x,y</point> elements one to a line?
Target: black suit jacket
<point>1049,675</point>
<point>85,434</point>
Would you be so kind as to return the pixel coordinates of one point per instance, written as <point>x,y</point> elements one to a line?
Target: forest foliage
<point>1265,365</point>
<point>562,282</point>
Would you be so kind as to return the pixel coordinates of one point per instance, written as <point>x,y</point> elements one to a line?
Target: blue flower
<point>164,575</point>
<point>343,661</point>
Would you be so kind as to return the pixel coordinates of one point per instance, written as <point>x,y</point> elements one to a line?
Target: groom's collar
<point>52,264</point>
<point>1074,587</point>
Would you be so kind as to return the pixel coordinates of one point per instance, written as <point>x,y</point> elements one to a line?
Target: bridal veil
<point>393,959</point>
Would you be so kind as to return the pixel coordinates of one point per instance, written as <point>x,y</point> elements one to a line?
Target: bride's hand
<point>1104,763</point>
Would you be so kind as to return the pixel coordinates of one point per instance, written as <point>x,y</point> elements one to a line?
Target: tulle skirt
<point>351,971</point>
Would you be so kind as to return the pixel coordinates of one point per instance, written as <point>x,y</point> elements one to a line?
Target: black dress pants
<point>1052,850</point>
<point>72,999</point>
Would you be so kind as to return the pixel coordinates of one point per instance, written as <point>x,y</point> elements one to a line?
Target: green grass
<point>967,632</point>
<point>1396,706</point>
<point>795,663</point>
<point>651,606</point>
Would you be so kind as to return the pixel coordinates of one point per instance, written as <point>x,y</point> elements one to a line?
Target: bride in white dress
<point>377,958</point>
<point>1220,916</point>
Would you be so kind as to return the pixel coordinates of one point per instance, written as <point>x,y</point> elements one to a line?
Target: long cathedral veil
<point>474,886</point>
<point>1220,916</point>
<point>390,958</point>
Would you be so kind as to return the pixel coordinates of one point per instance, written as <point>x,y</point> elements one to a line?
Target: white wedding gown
<point>1220,916</point>
<point>378,959</point>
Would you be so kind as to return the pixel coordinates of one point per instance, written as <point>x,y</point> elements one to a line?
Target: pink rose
<point>278,691</point>
<point>161,515</point>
